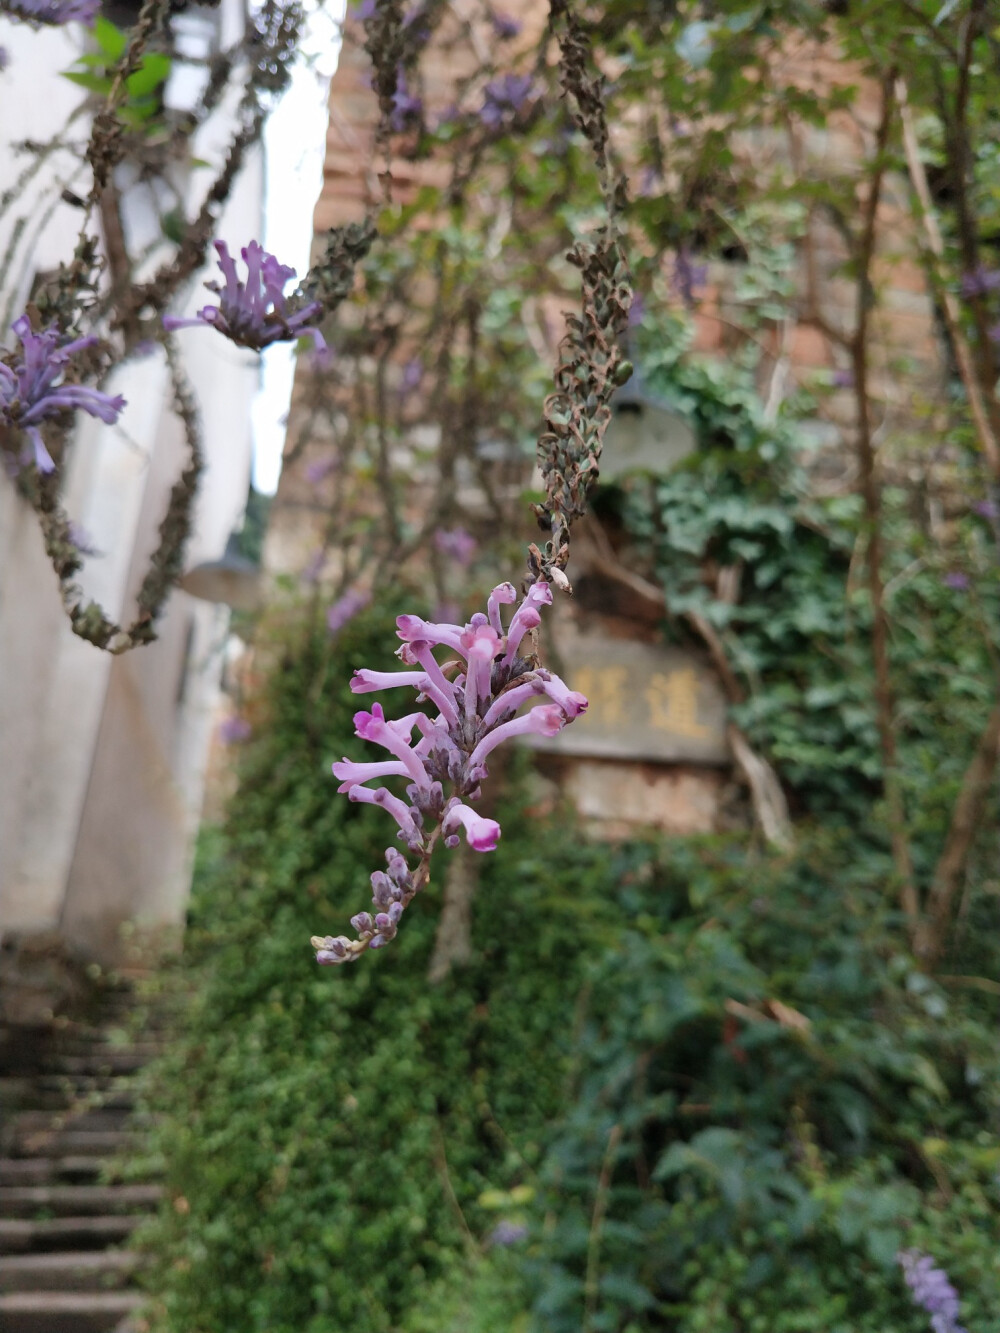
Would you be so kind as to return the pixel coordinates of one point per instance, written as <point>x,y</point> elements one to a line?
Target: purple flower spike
<point>32,388</point>
<point>931,1290</point>
<point>317,472</point>
<point>407,107</point>
<point>507,1233</point>
<point>505,27</point>
<point>255,313</point>
<point>456,543</point>
<point>687,277</point>
<point>54,13</point>
<point>346,608</point>
<point>980,282</point>
<point>957,581</point>
<point>476,698</point>
<point>234,730</point>
<point>504,98</point>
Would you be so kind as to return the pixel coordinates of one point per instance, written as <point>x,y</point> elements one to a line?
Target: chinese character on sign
<point>605,688</point>
<point>673,703</point>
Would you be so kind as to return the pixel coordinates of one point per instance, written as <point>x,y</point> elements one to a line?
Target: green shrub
<point>329,1133</point>
<point>777,1101</point>
<point>709,1082</point>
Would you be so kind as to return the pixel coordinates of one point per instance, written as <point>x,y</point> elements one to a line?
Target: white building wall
<point>102,759</point>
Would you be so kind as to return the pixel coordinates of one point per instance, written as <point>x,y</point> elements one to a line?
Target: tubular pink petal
<point>411,628</point>
<point>543,720</point>
<point>364,681</point>
<point>399,810</point>
<point>570,701</point>
<point>482,645</point>
<point>481,834</point>
<point>504,594</point>
<point>511,700</point>
<point>352,773</point>
<point>526,618</point>
<point>445,692</point>
<point>373,727</point>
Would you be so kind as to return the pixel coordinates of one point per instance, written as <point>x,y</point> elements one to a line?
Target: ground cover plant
<point>679,1086</point>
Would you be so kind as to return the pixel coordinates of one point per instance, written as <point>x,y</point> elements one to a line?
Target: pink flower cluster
<point>476,696</point>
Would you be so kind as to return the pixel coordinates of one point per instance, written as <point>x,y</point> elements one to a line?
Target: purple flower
<point>687,276</point>
<point>32,389</point>
<point>506,27</point>
<point>456,543</point>
<point>931,1290</point>
<point>956,580</point>
<point>504,98</point>
<point>314,566</point>
<point>407,107</point>
<point>54,12</point>
<point>650,182</point>
<point>233,730</point>
<point>441,755</point>
<point>82,540</point>
<point>986,509</point>
<point>842,379</point>
<point>346,608</point>
<point>507,1233</point>
<point>980,282</point>
<point>413,373</point>
<point>416,21</point>
<point>315,472</point>
<point>255,314</point>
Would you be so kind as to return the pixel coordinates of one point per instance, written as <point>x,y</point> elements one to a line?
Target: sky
<point>294,150</point>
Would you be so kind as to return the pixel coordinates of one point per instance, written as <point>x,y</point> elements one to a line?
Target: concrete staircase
<point>66,1112</point>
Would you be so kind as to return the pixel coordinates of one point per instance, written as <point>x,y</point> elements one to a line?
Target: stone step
<point>55,1092</point>
<point>20,1235</point>
<point>106,1059</point>
<point>73,1270</point>
<point>76,1200</point>
<point>44,1170</point>
<point>29,1132</point>
<point>65,1311</point>
<point>74,1142</point>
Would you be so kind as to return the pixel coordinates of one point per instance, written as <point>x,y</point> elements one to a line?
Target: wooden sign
<point>646,702</point>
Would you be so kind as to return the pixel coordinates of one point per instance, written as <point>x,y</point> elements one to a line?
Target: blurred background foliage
<point>695,1086</point>
<point>686,1085</point>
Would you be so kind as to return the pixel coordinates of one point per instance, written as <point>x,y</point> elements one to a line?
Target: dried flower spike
<point>444,767</point>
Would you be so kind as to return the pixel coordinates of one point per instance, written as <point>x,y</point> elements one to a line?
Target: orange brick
<point>808,347</point>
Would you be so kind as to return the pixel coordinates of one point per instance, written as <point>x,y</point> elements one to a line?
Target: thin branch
<point>949,305</point>
<point>592,1283</point>
<point>871,496</point>
<point>965,820</point>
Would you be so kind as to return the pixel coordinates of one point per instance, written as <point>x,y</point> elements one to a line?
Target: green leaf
<point>95,83</point>
<point>153,71</point>
<point>110,39</point>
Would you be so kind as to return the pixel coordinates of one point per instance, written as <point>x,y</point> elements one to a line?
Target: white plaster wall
<point>102,760</point>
